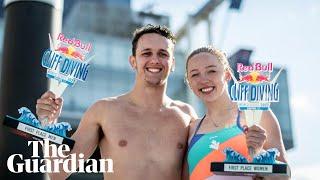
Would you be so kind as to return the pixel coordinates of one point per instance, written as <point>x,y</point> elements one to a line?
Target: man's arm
<point>185,167</point>
<point>188,109</point>
<point>86,136</point>
<point>185,170</point>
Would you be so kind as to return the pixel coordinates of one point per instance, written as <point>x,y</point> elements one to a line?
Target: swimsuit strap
<point>199,125</point>
<point>238,117</point>
<point>239,123</point>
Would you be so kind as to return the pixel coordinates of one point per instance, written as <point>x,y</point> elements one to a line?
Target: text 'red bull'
<point>254,67</point>
<point>75,42</point>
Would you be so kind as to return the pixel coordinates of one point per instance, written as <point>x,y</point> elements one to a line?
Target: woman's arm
<point>274,138</point>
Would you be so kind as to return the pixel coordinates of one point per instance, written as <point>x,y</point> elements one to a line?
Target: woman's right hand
<point>256,137</point>
<point>49,107</point>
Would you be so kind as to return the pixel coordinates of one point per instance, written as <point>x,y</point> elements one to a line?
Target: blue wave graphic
<point>26,116</point>
<point>267,157</point>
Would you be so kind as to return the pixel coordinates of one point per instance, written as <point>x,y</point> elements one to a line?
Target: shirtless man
<point>143,131</point>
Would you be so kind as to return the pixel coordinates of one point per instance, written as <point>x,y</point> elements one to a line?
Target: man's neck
<point>149,96</point>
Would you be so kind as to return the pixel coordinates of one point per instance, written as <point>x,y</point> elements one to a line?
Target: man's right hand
<point>49,107</point>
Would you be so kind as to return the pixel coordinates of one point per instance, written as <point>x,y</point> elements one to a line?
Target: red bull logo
<point>72,48</point>
<point>66,60</point>
<point>70,52</point>
<point>254,78</point>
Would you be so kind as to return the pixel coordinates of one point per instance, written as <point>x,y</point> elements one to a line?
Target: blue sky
<point>286,33</point>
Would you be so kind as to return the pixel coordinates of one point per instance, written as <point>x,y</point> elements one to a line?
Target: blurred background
<point>285,33</point>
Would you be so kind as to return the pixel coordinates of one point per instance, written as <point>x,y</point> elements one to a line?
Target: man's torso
<point>143,143</point>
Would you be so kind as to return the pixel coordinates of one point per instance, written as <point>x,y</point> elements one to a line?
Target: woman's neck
<point>221,110</point>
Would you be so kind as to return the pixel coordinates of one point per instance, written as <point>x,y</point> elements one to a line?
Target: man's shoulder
<point>107,103</point>
<point>185,107</point>
<point>182,105</point>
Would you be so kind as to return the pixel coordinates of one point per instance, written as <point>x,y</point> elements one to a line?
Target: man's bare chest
<point>147,130</point>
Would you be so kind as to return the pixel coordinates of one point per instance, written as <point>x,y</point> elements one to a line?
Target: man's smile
<point>154,69</point>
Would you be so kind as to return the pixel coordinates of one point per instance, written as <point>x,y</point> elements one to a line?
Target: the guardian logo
<point>56,159</point>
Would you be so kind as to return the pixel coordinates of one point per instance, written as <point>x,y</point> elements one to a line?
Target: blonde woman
<point>208,74</point>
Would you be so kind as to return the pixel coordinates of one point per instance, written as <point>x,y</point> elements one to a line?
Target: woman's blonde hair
<point>220,55</point>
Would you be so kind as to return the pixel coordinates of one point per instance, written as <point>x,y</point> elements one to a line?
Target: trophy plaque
<point>254,93</point>
<point>66,63</point>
